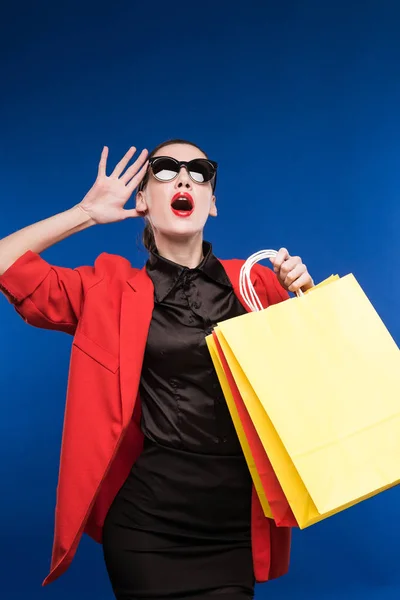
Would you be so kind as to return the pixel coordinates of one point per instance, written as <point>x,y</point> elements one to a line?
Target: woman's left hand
<point>291,272</point>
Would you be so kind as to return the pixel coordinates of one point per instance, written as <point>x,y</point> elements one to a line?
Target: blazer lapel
<point>136,312</point>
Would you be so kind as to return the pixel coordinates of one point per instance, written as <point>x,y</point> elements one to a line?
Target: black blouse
<point>182,402</point>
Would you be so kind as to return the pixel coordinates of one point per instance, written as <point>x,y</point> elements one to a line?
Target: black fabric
<point>182,402</point>
<point>187,495</point>
<point>180,525</point>
<point>169,575</point>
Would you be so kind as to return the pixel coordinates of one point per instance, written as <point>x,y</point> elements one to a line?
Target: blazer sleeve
<point>275,292</point>
<point>46,296</point>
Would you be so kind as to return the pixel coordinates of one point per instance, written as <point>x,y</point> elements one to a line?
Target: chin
<point>182,228</point>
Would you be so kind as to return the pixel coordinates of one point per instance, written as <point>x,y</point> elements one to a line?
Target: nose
<point>183,180</point>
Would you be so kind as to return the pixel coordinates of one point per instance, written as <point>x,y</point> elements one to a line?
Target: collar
<point>165,274</point>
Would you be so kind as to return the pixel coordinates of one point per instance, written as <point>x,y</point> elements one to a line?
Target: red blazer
<point>107,307</point>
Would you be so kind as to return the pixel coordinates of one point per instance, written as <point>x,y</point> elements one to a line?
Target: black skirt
<point>180,528</point>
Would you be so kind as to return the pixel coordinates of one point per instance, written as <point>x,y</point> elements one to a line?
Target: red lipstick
<point>182,204</point>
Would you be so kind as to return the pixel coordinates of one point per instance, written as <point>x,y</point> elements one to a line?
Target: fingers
<point>134,182</point>
<point>123,162</point>
<point>292,267</point>
<point>291,278</point>
<point>134,174</point>
<point>279,259</point>
<point>304,282</point>
<point>134,168</point>
<point>291,271</point>
<point>103,162</point>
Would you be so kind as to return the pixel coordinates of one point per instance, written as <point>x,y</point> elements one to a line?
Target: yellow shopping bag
<point>320,377</point>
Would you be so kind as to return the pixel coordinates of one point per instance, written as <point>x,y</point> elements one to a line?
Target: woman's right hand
<point>105,201</point>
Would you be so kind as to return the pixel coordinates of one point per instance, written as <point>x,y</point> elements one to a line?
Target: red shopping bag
<point>280,508</point>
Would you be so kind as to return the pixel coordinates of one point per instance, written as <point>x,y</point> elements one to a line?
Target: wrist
<point>84,218</point>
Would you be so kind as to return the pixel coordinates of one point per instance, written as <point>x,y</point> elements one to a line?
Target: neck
<point>187,252</point>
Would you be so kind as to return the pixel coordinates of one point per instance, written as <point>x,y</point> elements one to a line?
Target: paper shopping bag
<point>257,479</point>
<point>268,488</point>
<point>320,377</point>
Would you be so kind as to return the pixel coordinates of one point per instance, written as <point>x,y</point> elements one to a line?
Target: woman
<point>150,463</point>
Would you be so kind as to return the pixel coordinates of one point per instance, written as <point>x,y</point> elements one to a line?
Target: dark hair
<point>148,235</point>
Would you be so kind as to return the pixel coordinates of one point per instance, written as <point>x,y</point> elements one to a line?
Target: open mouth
<point>182,204</point>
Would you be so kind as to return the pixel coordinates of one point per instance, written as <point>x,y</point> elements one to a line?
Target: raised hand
<point>106,199</point>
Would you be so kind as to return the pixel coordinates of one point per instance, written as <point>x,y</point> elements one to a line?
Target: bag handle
<point>247,290</point>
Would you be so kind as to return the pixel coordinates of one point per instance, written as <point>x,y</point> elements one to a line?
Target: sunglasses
<point>165,168</point>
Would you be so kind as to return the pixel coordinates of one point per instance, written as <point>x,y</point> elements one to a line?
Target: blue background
<point>298,101</point>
